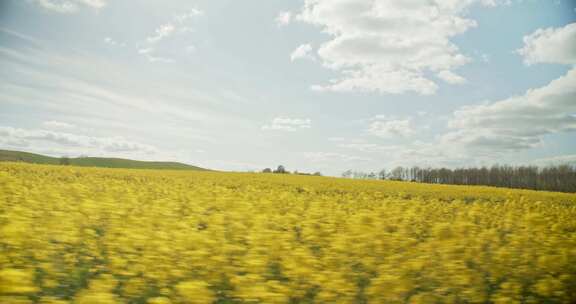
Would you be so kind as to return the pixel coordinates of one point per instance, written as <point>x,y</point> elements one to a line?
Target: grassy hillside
<point>18,156</point>
<point>26,157</point>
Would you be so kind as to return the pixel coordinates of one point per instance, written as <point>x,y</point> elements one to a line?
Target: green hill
<point>18,156</point>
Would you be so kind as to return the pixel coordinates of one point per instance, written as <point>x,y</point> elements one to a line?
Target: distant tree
<point>281,170</point>
<point>267,170</point>
<point>551,178</point>
<point>347,174</point>
<point>65,161</point>
<point>317,173</point>
<point>382,174</point>
<point>397,173</point>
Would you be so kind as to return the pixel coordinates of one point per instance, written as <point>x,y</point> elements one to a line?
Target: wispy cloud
<point>288,124</point>
<point>302,52</point>
<point>283,18</point>
<point>52,124</point>
<point>179,24</point>
<point>69,6</point>
<point>112,42</point>
<point>333,157</point>
<point>389,127</point>
<point>149,54</point>
<point>164,31</point>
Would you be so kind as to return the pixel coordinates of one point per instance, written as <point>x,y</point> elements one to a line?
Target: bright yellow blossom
<point>90,236</point>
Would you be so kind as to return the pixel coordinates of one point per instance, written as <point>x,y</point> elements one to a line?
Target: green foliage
<point>104,162</point>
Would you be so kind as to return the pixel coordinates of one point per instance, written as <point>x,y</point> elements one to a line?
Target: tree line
<point>552,178</point>
<point>282,170</point>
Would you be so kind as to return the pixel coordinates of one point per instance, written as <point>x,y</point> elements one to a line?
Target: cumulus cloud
<point>551,45</point>
<point>518,122</point>
<point>25,137</point>
<point>387,127</point>
<point>521,122</point>
<point>389,46</point>
<point>480,133</point>
<point>302,52</point>
<point>283,18</point>
<point>70,6</point>
<point>288,124</point>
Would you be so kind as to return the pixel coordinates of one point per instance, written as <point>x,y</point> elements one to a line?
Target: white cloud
<point>382,81</point>
<point>481,134</point>
<point>25,137</point>
<point>336,139</point>
<point>288,124</point>
<point>332,157</point>
<point>388,46</point>
<point>162,32</point>
<point>179,24</point>
<point>149,54</point>
<point>386,127</point>
<point>113,42</point>
<point>190,49</point>
<point>283,18</point>
<point>182,18</point>
<point>367,147</point>
<point>52,124</point>
<point>227,165</point>
<point>551,45</point>
<point>302,52</point>
<point>521,122</point>
<point>518,122</point>
<point>451,77</point>
<point>556,160</point>
<point>70,6</point>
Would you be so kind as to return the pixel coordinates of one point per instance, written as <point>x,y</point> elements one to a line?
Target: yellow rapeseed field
<point>84,235</point>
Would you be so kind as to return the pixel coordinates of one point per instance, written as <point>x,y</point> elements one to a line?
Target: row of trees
<point>553,178</point>
<point>282,170</point>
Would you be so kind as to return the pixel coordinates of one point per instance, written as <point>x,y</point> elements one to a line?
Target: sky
<point>314,85</point>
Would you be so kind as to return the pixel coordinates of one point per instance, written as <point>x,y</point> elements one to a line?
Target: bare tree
<point>553,178</point>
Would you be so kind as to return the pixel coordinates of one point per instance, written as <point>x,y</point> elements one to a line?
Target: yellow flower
<point>16,281</point>
<point>195,292</point>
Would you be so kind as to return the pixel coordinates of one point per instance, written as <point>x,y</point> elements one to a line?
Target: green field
<point>103,162</point>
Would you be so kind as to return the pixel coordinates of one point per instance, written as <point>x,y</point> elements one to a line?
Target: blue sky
<point>313,85</point>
